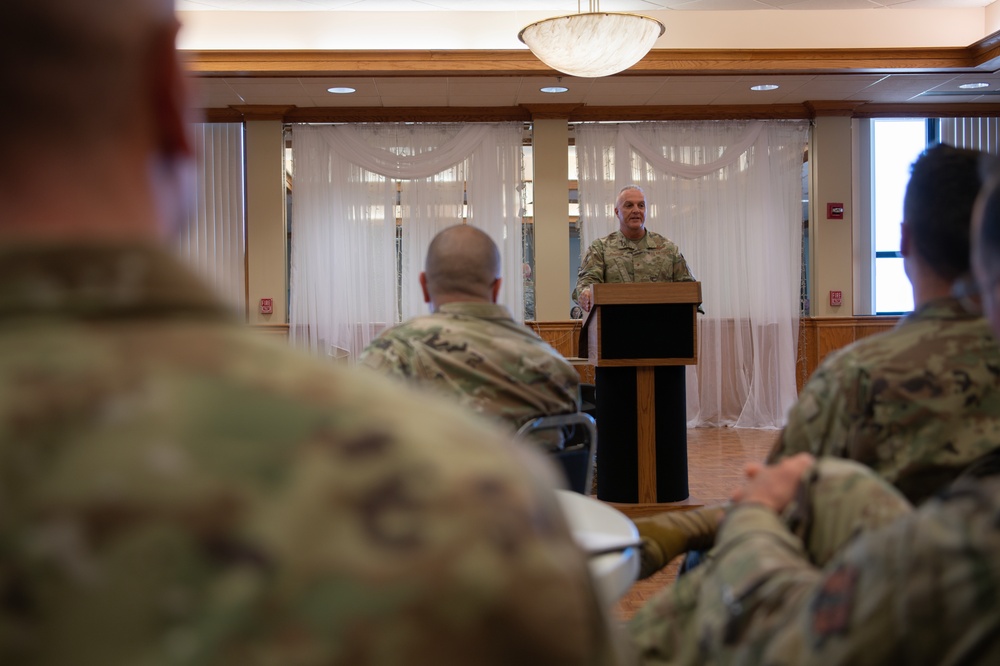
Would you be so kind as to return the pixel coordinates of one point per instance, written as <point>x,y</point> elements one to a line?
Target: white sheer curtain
<point>349,279</point>
<point>729,194</point>
<point>213,238</point>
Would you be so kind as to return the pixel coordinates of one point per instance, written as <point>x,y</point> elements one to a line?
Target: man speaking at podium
<point>631,254</point>
<point>655,437</point>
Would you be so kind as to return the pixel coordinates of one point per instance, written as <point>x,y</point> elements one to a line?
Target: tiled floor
<point>716,457</point>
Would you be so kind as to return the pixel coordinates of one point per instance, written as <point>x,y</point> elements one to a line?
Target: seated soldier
<point>917,404</point>
<point>818,563</point>
<point>825,563</point>
<point>469,347</point>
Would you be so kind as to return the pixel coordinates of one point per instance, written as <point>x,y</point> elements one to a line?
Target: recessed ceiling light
<point>341,90</point>
<point>554,89</point>
<point>973,86</point>
<point>764,86</point>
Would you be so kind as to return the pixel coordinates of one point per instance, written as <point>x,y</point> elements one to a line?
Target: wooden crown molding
<point>657,62</point>
<point>986,52</point>
<point>440,114</point>
<point>264,111</point>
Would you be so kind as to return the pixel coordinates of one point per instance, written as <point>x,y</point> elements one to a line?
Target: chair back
<point>575,454</point>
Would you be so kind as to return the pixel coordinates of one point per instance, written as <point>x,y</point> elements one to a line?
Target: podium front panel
<point>651,331</point>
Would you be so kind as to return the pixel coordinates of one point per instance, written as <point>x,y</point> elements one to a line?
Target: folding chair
<point>575,454</point>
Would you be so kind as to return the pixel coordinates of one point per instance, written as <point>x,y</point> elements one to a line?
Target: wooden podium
<point>639,337</point>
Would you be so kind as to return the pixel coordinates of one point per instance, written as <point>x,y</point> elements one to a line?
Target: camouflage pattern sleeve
<point>184,493</point>
<point>681,272</point>
<point>591,268</point>
<point>820,420</point>
<point>922,590</point>
<point>918,404</point>
<point>390,356</point>
<point>477,355</point>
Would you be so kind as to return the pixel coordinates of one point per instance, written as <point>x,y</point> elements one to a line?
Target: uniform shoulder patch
<point>831,609</point>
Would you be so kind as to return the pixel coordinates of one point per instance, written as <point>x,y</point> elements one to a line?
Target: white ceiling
<point>503,91</point>
<point>567,6</point>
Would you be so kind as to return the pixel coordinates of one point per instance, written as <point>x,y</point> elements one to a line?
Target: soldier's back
<point>177,490</point>
<point>917,404</point>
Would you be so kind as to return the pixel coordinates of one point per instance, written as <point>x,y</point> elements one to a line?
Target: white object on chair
<point>598,527</point>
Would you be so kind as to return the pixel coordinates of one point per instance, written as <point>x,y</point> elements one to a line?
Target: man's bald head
<point>463,264</point>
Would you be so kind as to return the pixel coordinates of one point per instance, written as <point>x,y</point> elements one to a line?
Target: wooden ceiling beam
<point>665,62</point>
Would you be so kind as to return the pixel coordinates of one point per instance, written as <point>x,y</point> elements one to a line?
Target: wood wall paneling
<point>818,337</point>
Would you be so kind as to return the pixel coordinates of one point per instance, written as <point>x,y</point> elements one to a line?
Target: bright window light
<point>896,143</point>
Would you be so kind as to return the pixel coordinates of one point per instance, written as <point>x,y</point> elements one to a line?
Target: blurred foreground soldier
<point>470,348</point>
<point>174,490</point>
<point>918,404</point>
<point>867,580</point>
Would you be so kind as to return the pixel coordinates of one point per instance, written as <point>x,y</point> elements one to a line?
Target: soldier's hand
<point>774,486</point>
<point>584,299</point>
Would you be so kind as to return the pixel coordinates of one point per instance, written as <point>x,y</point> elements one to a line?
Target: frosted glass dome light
<point>592,44</point>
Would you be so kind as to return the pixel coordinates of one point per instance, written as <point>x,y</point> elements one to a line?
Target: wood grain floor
<point>716,457</point>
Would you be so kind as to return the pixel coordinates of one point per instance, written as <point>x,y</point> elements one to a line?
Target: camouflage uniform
<point>917,404</point>
<point>476,353</point>
<point>615,259</point>
<point>921,589</point>
<point>176,490</point>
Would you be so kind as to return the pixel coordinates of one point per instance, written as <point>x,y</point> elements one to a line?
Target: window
<point>895,146</point>
<point>891,145</point>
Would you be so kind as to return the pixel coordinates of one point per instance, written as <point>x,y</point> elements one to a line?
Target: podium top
<point>646,292</point>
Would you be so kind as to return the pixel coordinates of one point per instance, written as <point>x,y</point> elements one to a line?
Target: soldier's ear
<point>904,239</point>
<point>423,287</point>
<point>495,289</point>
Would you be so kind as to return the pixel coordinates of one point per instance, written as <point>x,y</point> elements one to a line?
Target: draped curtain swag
<point>729,194</point>
<point>351,277</point>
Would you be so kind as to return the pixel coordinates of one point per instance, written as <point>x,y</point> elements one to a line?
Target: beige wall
<point>267,274</point>
<point>785,29</point>
<point>831,252</point>
<point>550,142</point>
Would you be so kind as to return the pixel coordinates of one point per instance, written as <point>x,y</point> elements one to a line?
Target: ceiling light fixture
<point>592,44</point>
<point>341,90</point>
<point>974,86</point>
<point>764,86</point>
<point>554,89</point>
